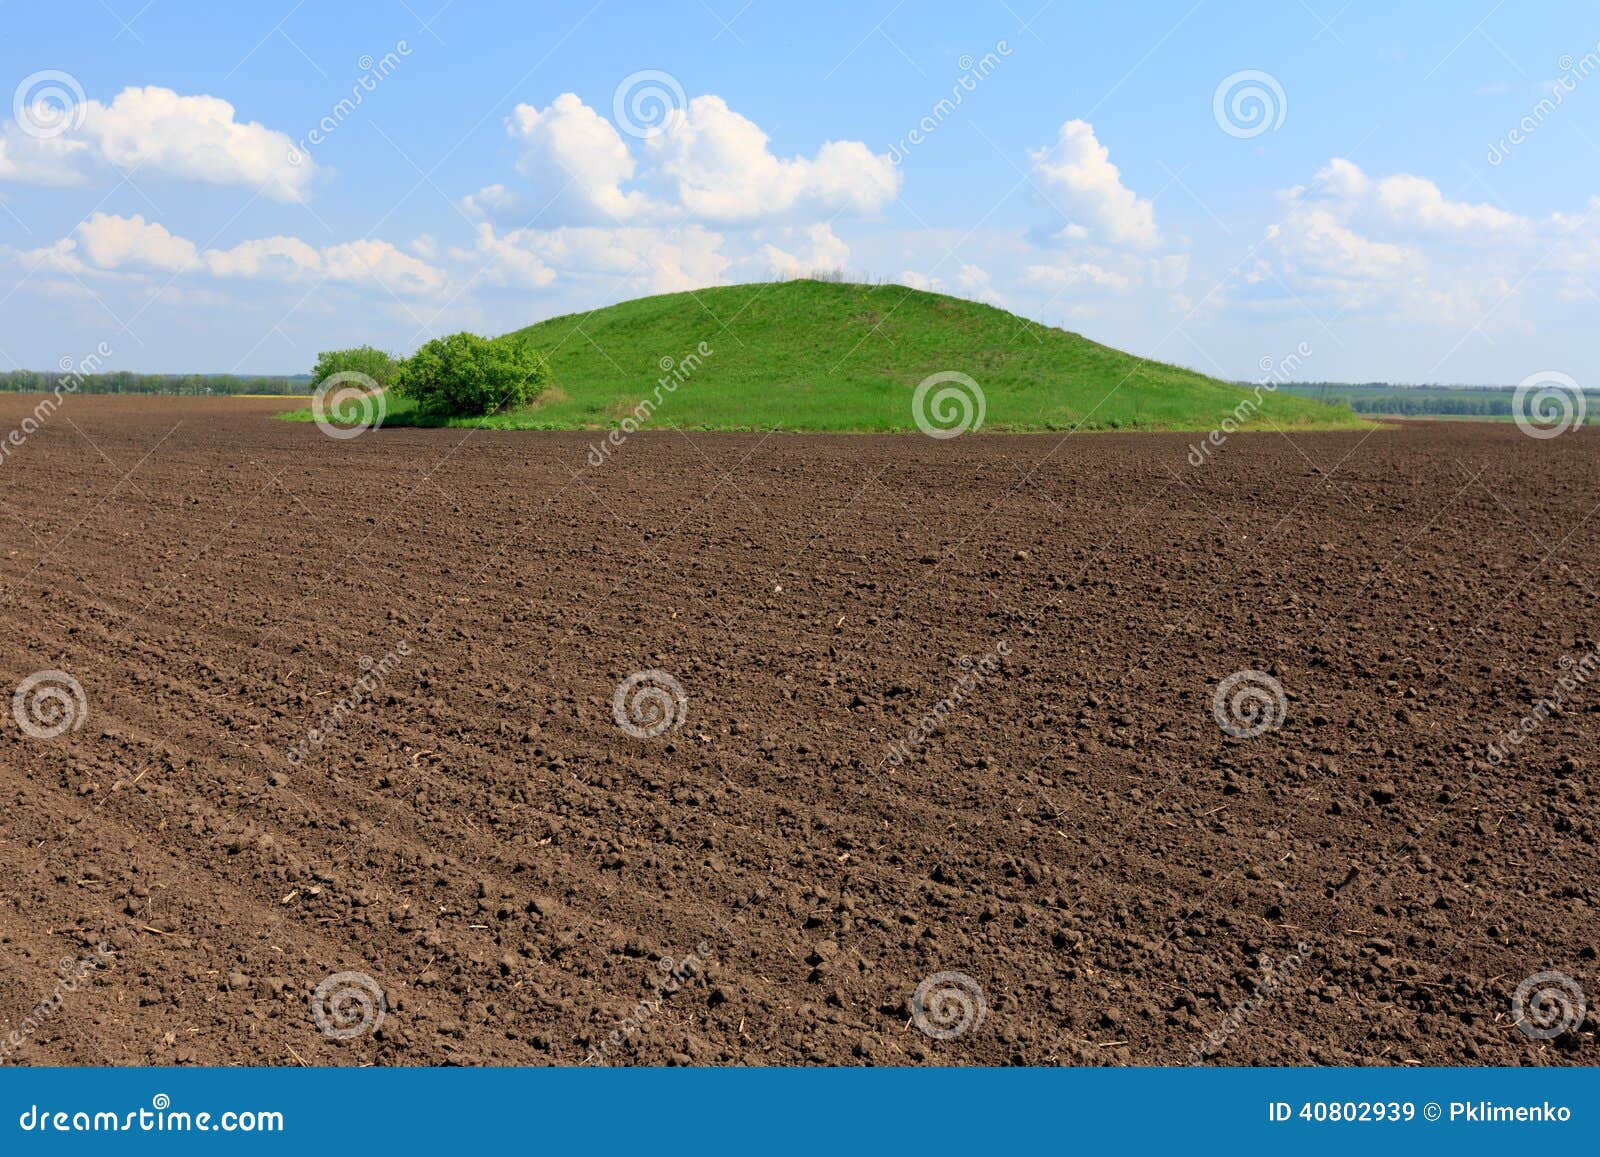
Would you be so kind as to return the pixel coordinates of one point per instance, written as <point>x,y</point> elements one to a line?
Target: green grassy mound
<point>826,356</point>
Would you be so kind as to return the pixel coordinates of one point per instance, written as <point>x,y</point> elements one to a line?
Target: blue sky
<point>1381,219</point>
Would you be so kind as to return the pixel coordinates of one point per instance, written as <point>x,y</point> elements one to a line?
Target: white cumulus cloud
<point>158,132</point>
<point>711,164</point>
<point>1064,273</point>
<point>1392,245</point>
<point>1077,175</point>
<point>722,170</point>
<point>196,137</point>
<point>106,242</point>
<point>575,163</point>
<point>595,205</point>
<point>41,160</point>
<point>109,242</point>
<point>812,248</point>
<point>1402,203</point>
<point>647,259</point>
<point>276,258</point>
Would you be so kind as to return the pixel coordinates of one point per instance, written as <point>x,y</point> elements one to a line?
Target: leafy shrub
<point>363,359</point>
<point>468,375</point>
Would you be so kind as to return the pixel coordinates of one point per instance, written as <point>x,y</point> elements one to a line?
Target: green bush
<point>364,359</point>
<point>468,375</point>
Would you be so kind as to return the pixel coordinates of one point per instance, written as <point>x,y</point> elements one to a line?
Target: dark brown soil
<point>1079,837</point>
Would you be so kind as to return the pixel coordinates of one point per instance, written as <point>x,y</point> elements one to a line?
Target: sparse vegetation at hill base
<point>825,356</point>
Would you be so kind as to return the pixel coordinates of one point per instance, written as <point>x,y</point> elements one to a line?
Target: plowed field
<point>923,708</point>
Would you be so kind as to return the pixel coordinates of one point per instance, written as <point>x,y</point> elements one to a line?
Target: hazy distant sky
<point>165,186</point>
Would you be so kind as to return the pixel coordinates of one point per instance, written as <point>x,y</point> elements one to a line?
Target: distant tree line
<point>124,382</point>
<point>1419,401</point>
<point>1421,404</point>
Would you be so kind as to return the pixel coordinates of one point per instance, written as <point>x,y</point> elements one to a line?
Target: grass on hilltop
<point>840,357</point>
